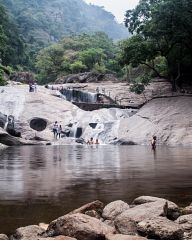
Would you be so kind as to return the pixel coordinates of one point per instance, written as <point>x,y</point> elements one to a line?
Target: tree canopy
<point>77,54</point>
<point>160,28</point>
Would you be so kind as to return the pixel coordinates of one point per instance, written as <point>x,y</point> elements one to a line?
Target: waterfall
<point>72,95</point>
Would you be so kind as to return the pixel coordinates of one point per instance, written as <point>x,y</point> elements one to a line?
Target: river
<point>41,183</point>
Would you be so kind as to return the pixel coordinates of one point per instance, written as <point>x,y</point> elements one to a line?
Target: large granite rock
<point>160,228</point>
<point>163,117</point>
<point>141,212</point>
<point>80,226</point>
<point>32,232</point>
<point>113,209</point>
<point>7,139</point>
<point>173,211</point>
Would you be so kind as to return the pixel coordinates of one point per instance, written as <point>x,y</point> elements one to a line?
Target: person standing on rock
<point>153,143</point>
<point>55,129</point>
<point>59,130</point>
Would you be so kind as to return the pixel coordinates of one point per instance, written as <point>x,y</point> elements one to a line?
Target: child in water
<point>153,143</point>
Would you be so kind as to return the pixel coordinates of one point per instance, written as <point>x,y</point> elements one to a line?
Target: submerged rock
<point>80,226</point>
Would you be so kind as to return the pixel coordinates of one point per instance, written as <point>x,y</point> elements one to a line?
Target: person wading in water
<point>153,143</point>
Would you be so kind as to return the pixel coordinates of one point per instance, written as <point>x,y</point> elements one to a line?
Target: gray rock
<point>160,228</point>
<point>80,226</point>
<point>123,237</point>
<point>173,211</point>
<point>3,237</point>
<point>185,222</point>
<point>95,205</point>
<point>143,211</point>
<point>113,209</point>
<point>32,232</point>
<point>125,225</point>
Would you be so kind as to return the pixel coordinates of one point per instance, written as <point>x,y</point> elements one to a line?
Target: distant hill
<point>44,21</point>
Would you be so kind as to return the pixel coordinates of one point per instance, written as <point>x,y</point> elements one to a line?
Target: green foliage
<point>11,44</point>
<point>76,54</point>
<point>162,38</point>
<point>43,22</point>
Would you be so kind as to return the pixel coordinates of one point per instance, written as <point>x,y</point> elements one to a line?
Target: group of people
<point>33,87</point>
<point>90,142</point>
<point>57,130</point>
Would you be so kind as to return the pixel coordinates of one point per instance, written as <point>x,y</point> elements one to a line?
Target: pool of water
<point>41,183</point>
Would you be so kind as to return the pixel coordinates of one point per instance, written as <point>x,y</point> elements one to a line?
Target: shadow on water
<point>40,183</point>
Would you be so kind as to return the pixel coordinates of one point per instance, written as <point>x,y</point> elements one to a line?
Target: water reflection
<point>45,182</point>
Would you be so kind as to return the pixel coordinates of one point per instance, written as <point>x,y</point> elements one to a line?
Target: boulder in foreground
<point>80,226</point>
<point>160,228</point>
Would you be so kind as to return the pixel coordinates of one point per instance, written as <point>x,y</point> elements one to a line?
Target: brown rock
<point>96,206</point>
<point>113,209</point>
<point>173,211</point>
<point>123,237</point>
<point>93,213</point>
<point>80,226</point>
<point>160,228</point>
<point>3,237</point>
<point>43,226</point>
<point>32,232</point>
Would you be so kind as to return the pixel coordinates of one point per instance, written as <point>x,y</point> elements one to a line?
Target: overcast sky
<point>117,7</point>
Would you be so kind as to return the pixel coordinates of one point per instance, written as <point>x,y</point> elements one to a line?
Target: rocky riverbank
<point>167,117</point>
<point>145,218</point>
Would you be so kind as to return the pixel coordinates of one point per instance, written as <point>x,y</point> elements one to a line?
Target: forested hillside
<point>46,21</point>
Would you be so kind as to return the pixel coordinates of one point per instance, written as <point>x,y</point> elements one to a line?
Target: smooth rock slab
<point>124,237</point>
<point>113,209</point>
<point>80,226</point>
<point>32,232</point>
<point>173,211</point>
<point>3,237</point>
<point>160,228</point>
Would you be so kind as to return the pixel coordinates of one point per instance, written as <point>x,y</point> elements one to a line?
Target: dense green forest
<point>42,22</point>
<point>54,38</point>
<point>75,54</point>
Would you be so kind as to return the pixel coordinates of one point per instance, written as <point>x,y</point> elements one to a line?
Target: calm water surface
<point>39,184</point>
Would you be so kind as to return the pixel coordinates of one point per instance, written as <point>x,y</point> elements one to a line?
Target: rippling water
<point>38,183</point>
